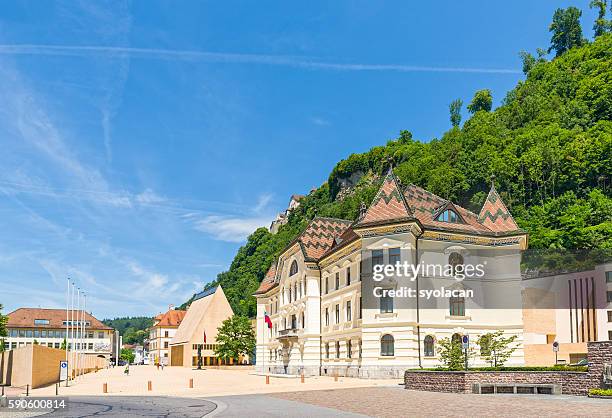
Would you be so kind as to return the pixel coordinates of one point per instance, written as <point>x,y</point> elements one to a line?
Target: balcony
<point>288,334</point>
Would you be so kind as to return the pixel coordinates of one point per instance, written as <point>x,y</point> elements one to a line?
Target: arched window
<point>387,345</point>
<point>429,346</point>
<point>457,306</point>
<point>293,269</point>
<point>448,216</point>
<point>454,260</point>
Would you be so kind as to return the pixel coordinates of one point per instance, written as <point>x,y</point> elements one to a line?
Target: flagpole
<point>72,346</point>
<point>83,335</point>
<point>67,324</point>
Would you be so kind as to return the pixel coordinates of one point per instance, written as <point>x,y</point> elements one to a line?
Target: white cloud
<point>223,57</point>
<point>231,229</point>
<point>262,202</point>
<point>320,121</point>
<point>148,196</point>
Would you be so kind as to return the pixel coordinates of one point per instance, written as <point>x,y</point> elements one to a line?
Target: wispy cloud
<point>148,196</point>
<point>320,121</point>
<point>235,58</point>
<point>231,229</point>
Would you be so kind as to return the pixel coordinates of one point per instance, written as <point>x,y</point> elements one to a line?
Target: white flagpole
<point>72,347</point>
<point>67,323</point>
<point>78,332</point>
<point>83,335</point>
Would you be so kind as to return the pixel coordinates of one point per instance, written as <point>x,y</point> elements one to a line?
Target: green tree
<point>495,348</point>
<point>127,355</point>
<point>482,101</point>
<point>235,338</point>
<point>566,30</point>
<point>2,345</point>
<point>528,61</point>
<point>35,341</point>
<point>3,321</point>
<point>63,346</point>
<point>455,111</point>
<point>601,25</point>
<point>452,355</point>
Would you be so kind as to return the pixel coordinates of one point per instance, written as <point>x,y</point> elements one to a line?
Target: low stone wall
<point>571,383</point>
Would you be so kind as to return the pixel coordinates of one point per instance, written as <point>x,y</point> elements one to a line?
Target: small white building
<point>161,333</point>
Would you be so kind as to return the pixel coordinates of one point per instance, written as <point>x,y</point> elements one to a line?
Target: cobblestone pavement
<point>399,402</point>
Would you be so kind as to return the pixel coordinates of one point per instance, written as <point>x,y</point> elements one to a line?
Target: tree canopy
<point>235,338</point>
<point>566,30</point>
<point>133,329</point>
<point>483,100</point>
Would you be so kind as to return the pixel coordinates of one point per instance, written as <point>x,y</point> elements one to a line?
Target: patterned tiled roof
<point>426,206</point>
<point>389,203</point>
<point>495,215</point>
<point>319,235</point>
<point>269,280</point>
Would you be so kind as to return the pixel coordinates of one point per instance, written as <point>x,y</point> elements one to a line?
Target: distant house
<point>205,314</point>
<point>47,327</point>
<point>164,328</point>
<point>283,217</point>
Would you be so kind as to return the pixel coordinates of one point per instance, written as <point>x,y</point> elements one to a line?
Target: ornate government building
<point>319,293</point>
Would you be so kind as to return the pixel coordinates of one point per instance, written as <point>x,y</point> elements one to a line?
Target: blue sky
<point>141,142</point>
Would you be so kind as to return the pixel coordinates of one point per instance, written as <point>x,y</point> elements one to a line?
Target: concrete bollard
<point>149,386</point>
<point>191,383</point>
<point>302,377</point>
<point>267,380</point>
<point>105,388</point>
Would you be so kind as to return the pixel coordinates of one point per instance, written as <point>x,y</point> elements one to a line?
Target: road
<point>173,407</point>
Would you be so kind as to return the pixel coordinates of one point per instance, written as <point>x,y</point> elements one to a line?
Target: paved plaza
<point>239,393</point>
<point>174,381</point>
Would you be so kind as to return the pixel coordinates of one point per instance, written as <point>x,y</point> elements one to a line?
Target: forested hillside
<point>549,146</point>
<point>133,329</point>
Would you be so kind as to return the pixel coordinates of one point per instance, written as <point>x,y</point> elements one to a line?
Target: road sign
<point>465,342</point>
<point>63,370</point>
<point>555,346</point>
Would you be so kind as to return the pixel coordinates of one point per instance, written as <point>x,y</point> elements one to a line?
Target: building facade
<point>161,333</point>
<point>47,327</point>
<point>198,330</point>
<point>327,312</point>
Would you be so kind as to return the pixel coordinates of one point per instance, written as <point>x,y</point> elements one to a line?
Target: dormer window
<point>293,269</point>
<point>448,216</point>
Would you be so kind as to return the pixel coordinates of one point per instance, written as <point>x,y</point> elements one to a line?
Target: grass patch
<point>600,392</point>
<point>559,368</point>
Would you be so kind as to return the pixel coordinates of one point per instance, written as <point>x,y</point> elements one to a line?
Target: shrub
<point>600,392</point>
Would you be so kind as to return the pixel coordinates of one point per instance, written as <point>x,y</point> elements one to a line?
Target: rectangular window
<point>326,285</point>
<point>43,333</point>
<point>36,333</point>
<point>326,317</point>
<point>360,270</point>
<point>90,346</point>
<point>14,333</point>
<point>337,349</point>
<point>608,276</point>
<point>360,308</point>
<point>610,335</point>
<point>22,333</point>
<point>166,334</point>
<point>29,332</point>
<point>41,322</point>
<point>609,293</point>
<point>394,256</point>
<point>165,344</point>
<point>348,276</point>
<point>348,311</point>
<point>101,334</point>
<point>326,350</point>
<point>337,280</point>
<point>386,304</point>
<point>609,316</point>
<point>377,258</point>
<point>349,349</point>
<point>337,314</point>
